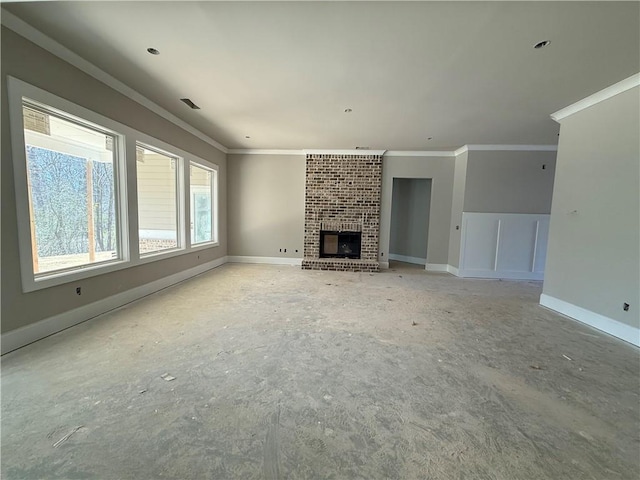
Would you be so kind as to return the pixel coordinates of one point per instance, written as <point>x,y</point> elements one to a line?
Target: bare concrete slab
<point>284,373</point>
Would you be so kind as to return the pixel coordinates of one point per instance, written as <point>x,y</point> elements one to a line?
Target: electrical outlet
<point>544,166</point>
<point>625,307</point>
<point>280,250</point>
<point>296,250</point>
<point>79,290</point>
<point>285,250</point>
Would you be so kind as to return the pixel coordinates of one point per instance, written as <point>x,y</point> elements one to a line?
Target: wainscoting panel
<point>503,245</point>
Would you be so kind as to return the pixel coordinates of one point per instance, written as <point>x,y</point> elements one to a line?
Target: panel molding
<point>36,331</point>
<point>496,250</point>
<point>258,151</point>
<point>264,260</point>
<point>600,322</point>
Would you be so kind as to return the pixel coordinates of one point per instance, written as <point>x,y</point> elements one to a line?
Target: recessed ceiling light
<point>247,136</point>
<point>430,138</point>
<point>347,110</point>
<point>153,51</point>
<point>190,103</point>
<point>541,44</point>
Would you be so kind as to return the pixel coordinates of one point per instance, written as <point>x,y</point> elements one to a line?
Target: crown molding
<point>419,153</point>
<point>344,152</point>
<point>604,94</point>
<point>25,30</point>
<point>258,151</point>
<point>511,148</point>
<point>461,150</point>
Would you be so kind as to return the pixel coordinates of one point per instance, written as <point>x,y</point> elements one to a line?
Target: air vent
<point>362,148</point>
<point>190,103</point>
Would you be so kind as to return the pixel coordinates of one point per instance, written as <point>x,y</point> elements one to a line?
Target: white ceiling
<point>283,73</point>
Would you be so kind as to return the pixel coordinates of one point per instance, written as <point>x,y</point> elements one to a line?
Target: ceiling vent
<point>190,103</point>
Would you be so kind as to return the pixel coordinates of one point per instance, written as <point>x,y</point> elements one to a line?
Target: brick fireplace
<point>342,212</point>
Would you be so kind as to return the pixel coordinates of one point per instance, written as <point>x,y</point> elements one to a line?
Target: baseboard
<point>267,260</point>
<point>501,274</point>
<point>30,333</point>
<point>384,265</point>
<point>437,267</point>
<point>453,270</point>
<point>605,324</point>
<point>407,259</point>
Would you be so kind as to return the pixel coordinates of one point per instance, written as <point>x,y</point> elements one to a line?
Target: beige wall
<point>440,170</point>
<point>593,255</point>
<point>25,61</point>
<point>266,205</point>
<point>509,181</point>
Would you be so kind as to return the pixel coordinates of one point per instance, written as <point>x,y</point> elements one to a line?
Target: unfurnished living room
<point>320,240</point>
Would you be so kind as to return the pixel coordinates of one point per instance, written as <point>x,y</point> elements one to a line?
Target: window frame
<point>125,188</point>
<point>180,204</point>
<point>214,204</point>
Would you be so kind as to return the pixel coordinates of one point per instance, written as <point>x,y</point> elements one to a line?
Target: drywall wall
<point>266,205</point>
<point>440,170</point>
<point>509,181</point>
<point>410,206</point>
<point>457,202</point>
<point>593,255</point>
<point>30,63</point>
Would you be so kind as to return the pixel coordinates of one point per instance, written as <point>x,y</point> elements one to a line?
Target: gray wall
<point>457,202</point>
<point>410,206</point>
<point>440,171</point>
<point>24,60</point>
<point>594,254</point>
<point>266,205</point>
<point>509,182</point>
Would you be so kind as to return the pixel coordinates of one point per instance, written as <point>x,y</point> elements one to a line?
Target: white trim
<point>267,260</point>
<point>126,189</point>
<point>512,148</point>
<point>30,33</point>
<point>461,150</point>
<point>500,274</point>
<point>453,270</point>
<point>437,267</point>
<point>407,259</point>
<point>258,151</point>
<point>344,152</point>
<point>30,333</point>
<point>604,94</point>
<point>605,324</point>
<point>418,153</point>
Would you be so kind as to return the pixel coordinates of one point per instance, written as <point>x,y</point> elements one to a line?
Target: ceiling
<point>283,73</point>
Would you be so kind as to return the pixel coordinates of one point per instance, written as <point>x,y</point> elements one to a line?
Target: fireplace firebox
<point>337,244</point>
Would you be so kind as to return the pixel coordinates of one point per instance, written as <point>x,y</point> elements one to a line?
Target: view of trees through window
<point>71,192</point>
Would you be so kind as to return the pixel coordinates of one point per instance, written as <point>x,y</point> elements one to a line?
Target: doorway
<point>410,207</point>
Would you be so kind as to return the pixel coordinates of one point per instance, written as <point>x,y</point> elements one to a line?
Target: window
<point>71,182</point>
<point>76,190</point>
<point>158,193</point>
<point>202,185</point>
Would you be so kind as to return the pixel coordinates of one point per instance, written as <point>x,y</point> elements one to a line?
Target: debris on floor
<point>568,358</point>
<point>142,391</point>
<point>413,324</point>
<point>167,377</point>
<point>67,436</point>
<point>536,367</point>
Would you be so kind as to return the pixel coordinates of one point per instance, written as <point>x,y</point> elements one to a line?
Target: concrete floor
<point>283,373</point>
